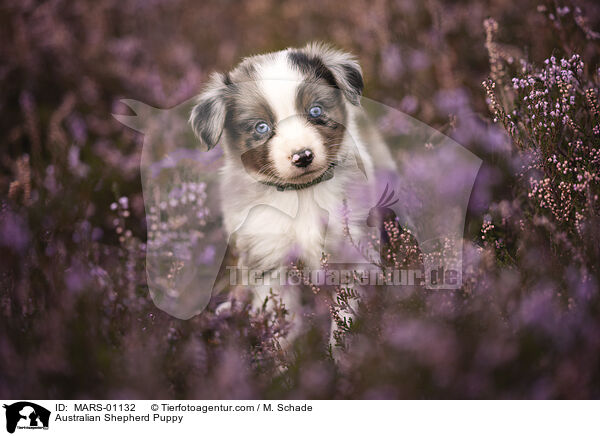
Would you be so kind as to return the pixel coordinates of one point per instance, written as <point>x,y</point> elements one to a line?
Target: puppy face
<point>282,114</point>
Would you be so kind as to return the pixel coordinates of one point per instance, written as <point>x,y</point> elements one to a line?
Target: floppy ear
<point>208,115</point>
<point>343,66</point>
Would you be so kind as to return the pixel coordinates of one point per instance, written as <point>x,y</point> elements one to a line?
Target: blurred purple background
<point>76,320</point>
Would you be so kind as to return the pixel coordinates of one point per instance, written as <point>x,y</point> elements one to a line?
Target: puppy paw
<point>223,307</point>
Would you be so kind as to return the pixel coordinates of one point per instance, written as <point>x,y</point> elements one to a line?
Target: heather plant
<point>551,114</point>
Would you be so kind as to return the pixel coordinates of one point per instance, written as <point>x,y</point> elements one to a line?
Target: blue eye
<point>315,111</point>
<point>262,127</point>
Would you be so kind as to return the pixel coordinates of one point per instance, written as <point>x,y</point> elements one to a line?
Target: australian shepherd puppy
<point>297,173</point>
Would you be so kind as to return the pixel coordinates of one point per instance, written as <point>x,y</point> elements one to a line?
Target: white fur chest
<point>274,227</point>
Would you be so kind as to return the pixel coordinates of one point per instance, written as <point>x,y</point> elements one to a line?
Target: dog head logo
<point>26,415</point>
<point>188,184</point>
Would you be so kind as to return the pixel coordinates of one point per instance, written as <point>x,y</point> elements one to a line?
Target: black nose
<point>302,158</point>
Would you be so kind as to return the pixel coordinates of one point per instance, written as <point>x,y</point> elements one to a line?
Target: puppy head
<point>282,114</point>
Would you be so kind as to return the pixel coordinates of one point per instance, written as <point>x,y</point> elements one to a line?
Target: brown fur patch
<point>331,124</point>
